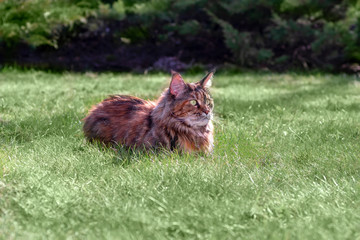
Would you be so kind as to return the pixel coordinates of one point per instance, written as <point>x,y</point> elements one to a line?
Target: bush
<point>36,21</point>
<point>308,33</point>
<point>277,34</point>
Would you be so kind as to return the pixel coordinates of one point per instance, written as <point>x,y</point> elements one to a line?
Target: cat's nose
<point>206,111</point>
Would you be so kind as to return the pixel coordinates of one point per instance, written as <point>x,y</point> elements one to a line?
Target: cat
<point>180,119</point>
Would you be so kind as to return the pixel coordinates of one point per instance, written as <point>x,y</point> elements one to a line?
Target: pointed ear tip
<point>174,72</point>
<point>210,75</point>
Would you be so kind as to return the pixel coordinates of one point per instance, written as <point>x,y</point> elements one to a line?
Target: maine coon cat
<point>179,119</point>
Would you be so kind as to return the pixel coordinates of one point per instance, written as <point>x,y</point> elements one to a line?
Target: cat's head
<point>191,102</point>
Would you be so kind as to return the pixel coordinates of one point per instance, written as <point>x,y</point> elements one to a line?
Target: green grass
<point>286,162</point>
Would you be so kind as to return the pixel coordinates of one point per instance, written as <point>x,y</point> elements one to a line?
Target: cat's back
<point>118,118</point>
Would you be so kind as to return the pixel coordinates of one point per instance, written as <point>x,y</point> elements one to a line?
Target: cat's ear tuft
<point>177,84</point>
<point>206,82</point>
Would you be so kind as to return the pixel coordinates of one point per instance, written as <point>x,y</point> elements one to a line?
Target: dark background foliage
<point>148,35</point>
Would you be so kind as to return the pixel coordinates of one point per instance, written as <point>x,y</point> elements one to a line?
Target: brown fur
<point>170,122</point>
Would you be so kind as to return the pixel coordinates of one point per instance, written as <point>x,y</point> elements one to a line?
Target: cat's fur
<point>172,122</point>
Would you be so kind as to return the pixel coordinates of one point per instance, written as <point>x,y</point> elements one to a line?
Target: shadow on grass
<point>294,99</point>
<point>35,127</point>
<point>124,156</point>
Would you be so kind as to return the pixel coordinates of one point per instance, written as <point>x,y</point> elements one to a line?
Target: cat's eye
<point>193,102</point>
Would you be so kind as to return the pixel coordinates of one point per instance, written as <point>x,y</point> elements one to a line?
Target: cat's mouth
<point>208,116</point>
<point>198,120</point>
<point>202,122</point>
<point>204,116</point>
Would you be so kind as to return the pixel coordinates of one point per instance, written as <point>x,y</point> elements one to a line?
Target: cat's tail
<point>97,128</point>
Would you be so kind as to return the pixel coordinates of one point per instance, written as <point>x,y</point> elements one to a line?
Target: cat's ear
<point>207,80</point>
<point>177,84</point>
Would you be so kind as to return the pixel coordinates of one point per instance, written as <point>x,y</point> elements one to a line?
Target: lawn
<point>286,163</point>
